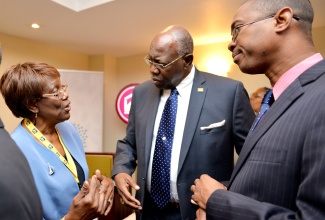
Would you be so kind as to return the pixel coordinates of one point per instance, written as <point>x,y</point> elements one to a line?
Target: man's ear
<point>283,19</point>
<point>188,59</point>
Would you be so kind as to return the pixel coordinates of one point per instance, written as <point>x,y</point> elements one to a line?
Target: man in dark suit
<point>213,116</point>
<point>18,194</point>
<point>280,171</point>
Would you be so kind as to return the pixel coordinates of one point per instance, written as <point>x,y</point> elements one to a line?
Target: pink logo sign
<point>123,102</point>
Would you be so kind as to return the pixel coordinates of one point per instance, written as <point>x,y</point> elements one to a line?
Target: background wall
<point>15,50</point>
<point>120,72</point>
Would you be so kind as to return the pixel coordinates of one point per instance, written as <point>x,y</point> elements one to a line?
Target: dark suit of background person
<point>18,195</point>
<point>213,99</point>
<point>280,171</point>
<point>19,198</point>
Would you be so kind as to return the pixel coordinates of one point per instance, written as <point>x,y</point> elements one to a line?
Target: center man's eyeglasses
<point>160,65</point>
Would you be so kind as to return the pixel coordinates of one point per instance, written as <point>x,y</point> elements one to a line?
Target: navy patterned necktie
<point>160,179</point>
<point>266,104</point>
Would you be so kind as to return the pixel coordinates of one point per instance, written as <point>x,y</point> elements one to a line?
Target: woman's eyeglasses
<point>60,94</point>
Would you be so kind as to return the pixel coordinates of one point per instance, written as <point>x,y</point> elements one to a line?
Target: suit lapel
<point>152,105</point>
<point>197,98</point>
<point>286,99</point>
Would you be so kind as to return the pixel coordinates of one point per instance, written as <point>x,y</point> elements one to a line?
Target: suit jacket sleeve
<point>310,196</point>
<point>19,196</point>
<point>243,117</point>
<point>229,205</point>
<point>126,154</point>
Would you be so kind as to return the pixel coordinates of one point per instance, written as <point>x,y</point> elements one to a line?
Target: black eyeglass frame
<point>235,31</point>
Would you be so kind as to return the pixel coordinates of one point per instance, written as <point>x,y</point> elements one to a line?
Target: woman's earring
<point>35,119</point>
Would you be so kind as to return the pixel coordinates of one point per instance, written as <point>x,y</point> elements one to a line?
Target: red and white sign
<point>123,102</point>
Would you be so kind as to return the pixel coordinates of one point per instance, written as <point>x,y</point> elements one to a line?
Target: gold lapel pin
<point>200,89</point>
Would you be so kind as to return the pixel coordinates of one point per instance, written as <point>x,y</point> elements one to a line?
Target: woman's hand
<point>95,198</point>
<point>106,194</point>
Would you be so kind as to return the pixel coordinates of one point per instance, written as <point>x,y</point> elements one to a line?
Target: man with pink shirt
<point>279,174</point>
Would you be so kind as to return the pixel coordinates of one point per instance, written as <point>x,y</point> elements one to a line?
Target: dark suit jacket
<point>202,151</point>
<point>280,171</point>
<point>18,195</point>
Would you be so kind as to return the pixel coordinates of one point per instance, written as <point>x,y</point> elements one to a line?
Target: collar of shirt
<point>183,87</point>
<point>288,77</point>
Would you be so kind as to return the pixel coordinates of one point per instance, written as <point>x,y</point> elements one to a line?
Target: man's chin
<point>157,84</point>
<point>248,69</point>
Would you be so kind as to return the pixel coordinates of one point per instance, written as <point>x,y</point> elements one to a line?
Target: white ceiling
<point>122,27</point>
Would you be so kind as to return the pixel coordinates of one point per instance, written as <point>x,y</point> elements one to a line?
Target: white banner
<point>86,91</point>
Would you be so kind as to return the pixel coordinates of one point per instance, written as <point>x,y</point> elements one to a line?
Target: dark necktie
<point>160,180</point>
<point>266,104</point>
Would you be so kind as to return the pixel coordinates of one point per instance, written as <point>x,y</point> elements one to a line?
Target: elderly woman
<point>51,144</point>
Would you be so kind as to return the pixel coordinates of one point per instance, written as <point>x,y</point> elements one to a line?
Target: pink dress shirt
<point>288,77</point>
